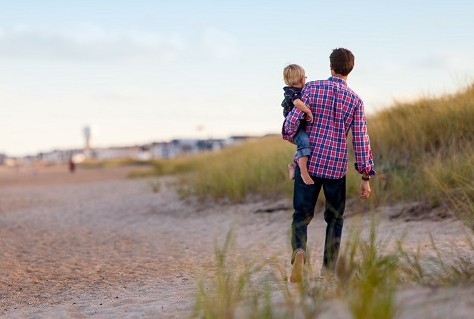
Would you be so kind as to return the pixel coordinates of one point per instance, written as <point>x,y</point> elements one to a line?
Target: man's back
<point>336,109</point>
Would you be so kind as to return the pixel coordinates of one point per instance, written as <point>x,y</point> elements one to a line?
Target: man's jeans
<point>304,202</point>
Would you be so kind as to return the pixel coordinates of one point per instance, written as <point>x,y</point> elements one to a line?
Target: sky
<point>140,71</point>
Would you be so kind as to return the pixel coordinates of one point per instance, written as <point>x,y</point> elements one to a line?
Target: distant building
<point>180,147</point>
<point>131,152</point>
<point>54,157</point>
<point>155,150</point>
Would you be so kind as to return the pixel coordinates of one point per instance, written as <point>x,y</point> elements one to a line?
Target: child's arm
<point>304,108</point>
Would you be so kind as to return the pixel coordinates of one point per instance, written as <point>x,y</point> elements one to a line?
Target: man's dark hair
<point>342,61</point>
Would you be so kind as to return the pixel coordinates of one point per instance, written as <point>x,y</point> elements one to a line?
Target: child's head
<point>294,75</point>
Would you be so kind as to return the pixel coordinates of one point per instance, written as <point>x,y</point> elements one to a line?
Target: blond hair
<point>293,74</point>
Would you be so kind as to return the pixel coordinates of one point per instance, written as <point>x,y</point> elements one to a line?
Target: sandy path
<point>96,244</point>
<point>84,243</point>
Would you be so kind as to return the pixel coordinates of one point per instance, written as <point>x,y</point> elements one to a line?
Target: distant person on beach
<point>72,164</point>
<point>337,110</point>
<point>295,78</point>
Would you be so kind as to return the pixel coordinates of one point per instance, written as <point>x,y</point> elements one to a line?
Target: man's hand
<point>309,117</point>
<point>365,189</point>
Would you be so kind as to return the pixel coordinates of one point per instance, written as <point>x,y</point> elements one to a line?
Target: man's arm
<point>361,143</point>
<point>363,153</point>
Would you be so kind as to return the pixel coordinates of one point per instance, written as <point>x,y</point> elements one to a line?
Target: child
<point>295,79</point>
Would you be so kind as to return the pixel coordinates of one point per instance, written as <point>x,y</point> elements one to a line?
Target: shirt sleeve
<point>291,124</point>
<point>361,142</point>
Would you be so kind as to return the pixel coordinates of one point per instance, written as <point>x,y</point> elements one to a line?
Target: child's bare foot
<point>307,178</point>
<point>291,170</point>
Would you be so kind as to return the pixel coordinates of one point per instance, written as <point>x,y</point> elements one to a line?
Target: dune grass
<point>367,278</point>
<point>257,167</point>
<point>111,163</point>
<point>229,284</point>
<point>422,141</point>
<point>424,151</point>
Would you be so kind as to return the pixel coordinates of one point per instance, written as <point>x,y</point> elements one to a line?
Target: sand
<point>96,244</point>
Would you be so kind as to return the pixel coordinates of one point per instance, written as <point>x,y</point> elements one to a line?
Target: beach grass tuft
<point>367,278</point>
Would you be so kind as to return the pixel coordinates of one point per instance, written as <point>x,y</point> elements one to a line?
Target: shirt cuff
<point>368,169</point>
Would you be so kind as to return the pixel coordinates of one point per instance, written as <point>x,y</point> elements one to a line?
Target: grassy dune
<point>424,151</point>
<point>257,167</point>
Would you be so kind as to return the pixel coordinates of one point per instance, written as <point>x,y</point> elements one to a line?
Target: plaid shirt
<point>336,110</point>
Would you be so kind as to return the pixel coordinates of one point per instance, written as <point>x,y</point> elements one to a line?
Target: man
<point>336,109</point>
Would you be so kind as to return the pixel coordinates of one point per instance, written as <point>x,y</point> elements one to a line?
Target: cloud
<point>459,60</point>
<point>94,43</point>
<point>88,42</point>
<point>220,44</point>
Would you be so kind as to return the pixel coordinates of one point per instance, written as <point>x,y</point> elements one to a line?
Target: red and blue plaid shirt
<point>336,110</point>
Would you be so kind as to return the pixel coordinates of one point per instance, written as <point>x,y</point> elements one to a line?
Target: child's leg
<point>303,165</point>
<point>302,154</point>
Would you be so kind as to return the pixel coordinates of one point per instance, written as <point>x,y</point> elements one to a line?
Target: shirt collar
<point>338,80</point>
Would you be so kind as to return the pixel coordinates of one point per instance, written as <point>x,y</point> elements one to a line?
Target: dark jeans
<point>304,202</point>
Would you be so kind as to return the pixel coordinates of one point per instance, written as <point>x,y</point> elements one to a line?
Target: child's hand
<point>309,117</point>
